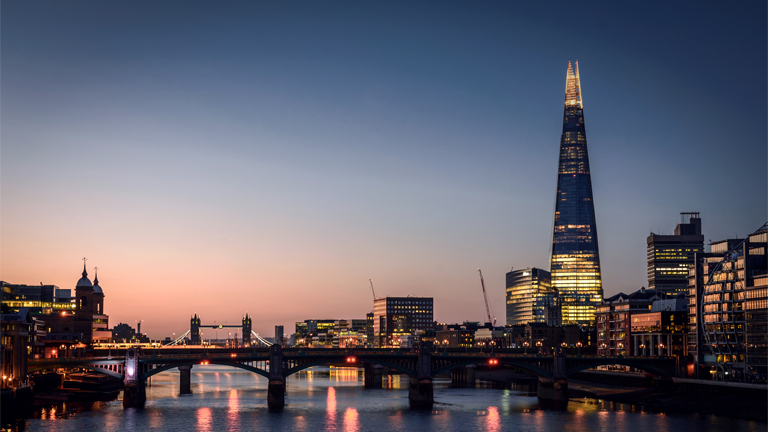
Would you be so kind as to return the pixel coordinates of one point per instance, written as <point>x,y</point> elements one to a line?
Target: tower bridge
<point>195,325</point>
<point>134,367</point>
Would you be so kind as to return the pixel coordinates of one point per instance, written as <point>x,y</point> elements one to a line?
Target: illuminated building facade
<point>728,312</point>
<point>67,320</point>
<point>670,256</point>
<point>400,316</point>
<point>575,256</point>
<point>38,299</point>
<point>614,320</point>
<point>530,298</point>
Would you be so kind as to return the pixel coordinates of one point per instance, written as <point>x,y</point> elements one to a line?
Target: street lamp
<point>602,345</point>
<point>621,347</point>
<point>661,348</point>
<point>642,347</point>
<point>538,344</point>
<point>578,345</point>
<point>525,347</point>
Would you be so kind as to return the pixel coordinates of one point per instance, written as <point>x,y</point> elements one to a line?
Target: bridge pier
<point>553,391</point>
<point>420,390</point>
<point>185,378</point>
<point>373,375</point>
<point>276,387</point>
<point>134,392</point>
<point>134,395</point>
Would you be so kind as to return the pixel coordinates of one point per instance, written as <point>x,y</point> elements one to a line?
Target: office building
<point>670,256</point>
<point>279,339</point>
<point>399,316</point>
<point>575,268</point>
<point>531,298</point>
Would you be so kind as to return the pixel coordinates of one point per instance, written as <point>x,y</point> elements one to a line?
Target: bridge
<point>134,367</point>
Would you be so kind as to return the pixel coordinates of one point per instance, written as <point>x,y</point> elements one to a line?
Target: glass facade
<point>530,298</point>
<point>575,256</point>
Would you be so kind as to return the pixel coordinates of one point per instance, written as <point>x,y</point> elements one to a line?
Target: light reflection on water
<point>225,399</point>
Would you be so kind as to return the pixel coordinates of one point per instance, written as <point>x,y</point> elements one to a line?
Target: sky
<point>272,157</point>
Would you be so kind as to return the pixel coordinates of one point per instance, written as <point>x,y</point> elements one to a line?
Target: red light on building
<point>351,359</point>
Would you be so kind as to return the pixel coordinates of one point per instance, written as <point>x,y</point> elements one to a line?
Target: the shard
<point>575,255</point>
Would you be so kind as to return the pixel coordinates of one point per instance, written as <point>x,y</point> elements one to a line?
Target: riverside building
<point>576,274</point>
<point>727,309</point>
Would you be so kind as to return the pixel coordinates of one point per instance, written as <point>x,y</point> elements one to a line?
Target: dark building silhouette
<point>575,256</point>
<point>247,328</point>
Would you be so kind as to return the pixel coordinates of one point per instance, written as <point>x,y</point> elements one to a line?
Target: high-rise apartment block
<point>575,256</point>
<point>670,256</point>
<point>530,298</point>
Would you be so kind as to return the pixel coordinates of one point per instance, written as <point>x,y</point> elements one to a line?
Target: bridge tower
<point>194,330</point>
<point>247,330</point>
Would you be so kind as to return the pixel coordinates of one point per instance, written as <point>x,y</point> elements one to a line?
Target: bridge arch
<point>328,361</point>
<point>528,368</point>
<point>94,368</point>
<point>166,367</point>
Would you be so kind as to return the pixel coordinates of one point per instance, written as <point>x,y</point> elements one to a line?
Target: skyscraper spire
<point>573,87</point>
<point>575,255</point>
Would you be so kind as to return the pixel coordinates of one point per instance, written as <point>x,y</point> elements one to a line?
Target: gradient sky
<point>271,157</point>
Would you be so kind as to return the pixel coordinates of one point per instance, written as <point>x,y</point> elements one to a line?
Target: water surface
<point>227,399</point>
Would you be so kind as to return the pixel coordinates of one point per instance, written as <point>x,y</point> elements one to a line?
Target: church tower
<point>84,307</point>
<point>98,295</point>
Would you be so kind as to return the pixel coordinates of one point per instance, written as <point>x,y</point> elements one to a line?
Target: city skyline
<point>280,171</point>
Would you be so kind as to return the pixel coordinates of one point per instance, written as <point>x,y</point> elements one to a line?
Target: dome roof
<point>84,282</point>
<point>96,287</point>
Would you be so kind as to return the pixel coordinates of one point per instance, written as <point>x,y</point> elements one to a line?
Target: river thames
<point>226,399</point>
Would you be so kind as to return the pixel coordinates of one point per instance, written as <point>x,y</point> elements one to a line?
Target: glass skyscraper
<point>575,255</point>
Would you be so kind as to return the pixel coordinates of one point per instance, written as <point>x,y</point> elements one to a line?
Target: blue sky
<point>262,151</point>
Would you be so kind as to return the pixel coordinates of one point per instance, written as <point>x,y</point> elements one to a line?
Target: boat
<point>91,381</point>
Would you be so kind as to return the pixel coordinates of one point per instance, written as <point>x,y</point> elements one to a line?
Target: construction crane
<point>485,296</point>
<point>372,291</point>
